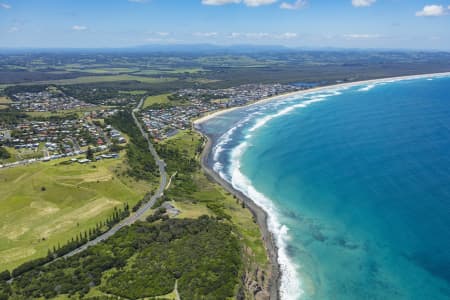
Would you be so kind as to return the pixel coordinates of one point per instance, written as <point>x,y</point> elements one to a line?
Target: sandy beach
<point>260,214</point>
<point>318,89</point>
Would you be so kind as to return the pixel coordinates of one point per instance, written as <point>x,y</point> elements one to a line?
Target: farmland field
<point>171,71</point>
<point>48,203</point>
<point>99,79</point>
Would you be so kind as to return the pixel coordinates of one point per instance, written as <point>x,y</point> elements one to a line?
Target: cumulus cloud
<point>432,10</point>
<point>363,3</point>
<point>5,5</point>
<point>251,3</point>
<point>296,5</point>
<point>79,27</point>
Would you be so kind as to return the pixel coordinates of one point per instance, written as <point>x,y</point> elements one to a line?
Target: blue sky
<point>410,24</point>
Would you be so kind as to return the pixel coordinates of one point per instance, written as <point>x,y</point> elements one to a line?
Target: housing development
<point>163,121</point>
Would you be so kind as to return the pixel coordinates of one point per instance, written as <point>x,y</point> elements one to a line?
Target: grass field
<point>64,113</point>
<point>136,92</point>
<point>3,102</point>
<point>21,154</point>
<point>174,71</point>
<point>75,198</point>
<point>158,99</point>
<point>105,70</point>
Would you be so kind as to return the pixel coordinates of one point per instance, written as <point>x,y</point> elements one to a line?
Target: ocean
<point>356,183</point>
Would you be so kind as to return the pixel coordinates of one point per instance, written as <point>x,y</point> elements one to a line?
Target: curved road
<point>146,206</point>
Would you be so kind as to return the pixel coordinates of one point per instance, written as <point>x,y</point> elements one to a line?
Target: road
<point>145,207</point>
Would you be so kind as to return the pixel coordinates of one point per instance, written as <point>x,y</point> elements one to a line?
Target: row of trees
<point>141,164</point>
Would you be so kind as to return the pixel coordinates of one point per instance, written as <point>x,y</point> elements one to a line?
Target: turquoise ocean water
<point>356,182</point>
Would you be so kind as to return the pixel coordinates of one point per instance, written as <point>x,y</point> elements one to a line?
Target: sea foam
<point>230,150</point>
<point>291,288</point>
<point>290,285</point>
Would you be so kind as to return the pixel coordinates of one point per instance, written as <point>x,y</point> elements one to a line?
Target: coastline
<point>209,116</point>
<point>259,213</point>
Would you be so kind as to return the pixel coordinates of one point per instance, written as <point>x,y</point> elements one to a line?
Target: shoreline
<point>260,214</point>
<point>317,89</point>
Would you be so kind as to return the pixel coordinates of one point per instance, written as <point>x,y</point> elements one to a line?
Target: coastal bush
<point>141,164</point>
<point>144,260</point>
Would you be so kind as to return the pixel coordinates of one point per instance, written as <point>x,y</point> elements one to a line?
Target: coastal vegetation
<point>203,253</point>
<point>200,258</point>
<point>194,193</point>
<point>141,164</point>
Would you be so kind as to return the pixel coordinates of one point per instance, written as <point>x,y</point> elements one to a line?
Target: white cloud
<point>288,35</point>
<point>256,35</point>
<point>359,36</point>
<point>219,2</point>
<point>255,3</point>
<point>5,5</point>
<point>263,35</point>
<point>13,29</point>
<point>296,5</point>
<point>363,3</point>
<point>432,10</point>
<point>79,27</point>
<point>251,3</point>
<point>163,33</point>
<point>205,34</point>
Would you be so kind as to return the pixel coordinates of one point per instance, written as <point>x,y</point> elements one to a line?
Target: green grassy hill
<point>49,203</point>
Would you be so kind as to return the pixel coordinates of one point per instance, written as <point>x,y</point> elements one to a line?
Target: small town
<point>46,101</point>
<point>42,140</point>
<point>35,140</point>
<point>165,122</point>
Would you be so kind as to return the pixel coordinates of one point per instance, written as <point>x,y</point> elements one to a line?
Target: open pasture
<point>44,204</point>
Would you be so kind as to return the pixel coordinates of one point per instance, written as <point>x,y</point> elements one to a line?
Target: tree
<point>4,154</point>
<point>89,154</point>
